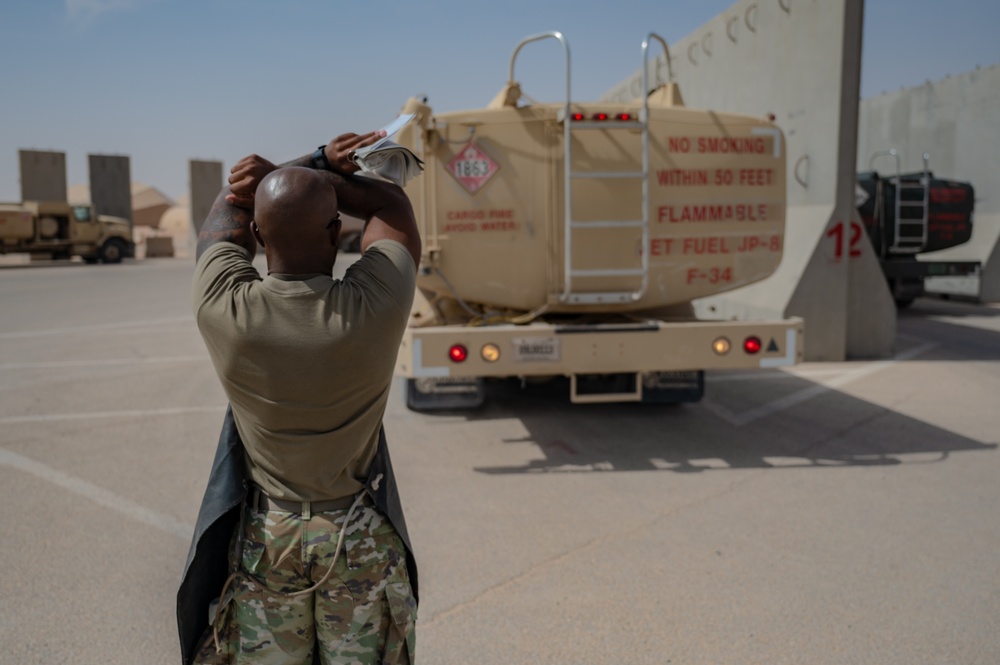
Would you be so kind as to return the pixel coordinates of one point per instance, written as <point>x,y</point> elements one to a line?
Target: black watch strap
<point>319,159</point>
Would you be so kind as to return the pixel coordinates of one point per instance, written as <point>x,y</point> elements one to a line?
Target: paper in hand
<point>388,160</point>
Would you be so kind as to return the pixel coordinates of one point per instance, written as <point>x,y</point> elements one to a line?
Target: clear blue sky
<point>167,80</point>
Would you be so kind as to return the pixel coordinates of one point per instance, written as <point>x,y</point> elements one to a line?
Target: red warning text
<point>714,245</point>
<point>467,221</point>
<point>727,212</point>
<point>718,145</point>
<point>709,275</point>
<point>717,177</point>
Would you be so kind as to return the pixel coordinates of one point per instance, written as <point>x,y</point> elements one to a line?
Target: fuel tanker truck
<point>911,214</point>
<point>569,239</point>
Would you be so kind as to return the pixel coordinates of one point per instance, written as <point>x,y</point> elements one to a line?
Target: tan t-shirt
<point>306,363</point>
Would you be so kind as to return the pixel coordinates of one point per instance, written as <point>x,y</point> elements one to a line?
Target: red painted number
<point>853,248</point>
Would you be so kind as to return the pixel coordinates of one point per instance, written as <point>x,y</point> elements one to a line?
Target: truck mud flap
<point>445,394</point>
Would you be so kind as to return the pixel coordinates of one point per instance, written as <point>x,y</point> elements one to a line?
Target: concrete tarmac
<point>831,513</point>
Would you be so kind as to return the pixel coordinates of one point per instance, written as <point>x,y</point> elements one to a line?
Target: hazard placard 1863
<point>472,167</point>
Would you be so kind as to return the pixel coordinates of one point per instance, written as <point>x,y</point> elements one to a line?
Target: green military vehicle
<point>62,230</point>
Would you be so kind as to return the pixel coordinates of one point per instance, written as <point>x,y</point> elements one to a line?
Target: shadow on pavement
<point>836,430</point>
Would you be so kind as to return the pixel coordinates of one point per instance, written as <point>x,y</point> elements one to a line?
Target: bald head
<point>293,210</point>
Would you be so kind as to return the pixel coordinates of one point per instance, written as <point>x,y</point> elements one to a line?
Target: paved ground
<point>836,513</point>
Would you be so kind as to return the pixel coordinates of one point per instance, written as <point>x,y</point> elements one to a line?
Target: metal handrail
<point>567,145</point>
<point>898,202</point>
<point>891,152</point>
<point>644,119</point>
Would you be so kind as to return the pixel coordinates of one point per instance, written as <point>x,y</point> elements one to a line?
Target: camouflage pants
<point>363,613</point>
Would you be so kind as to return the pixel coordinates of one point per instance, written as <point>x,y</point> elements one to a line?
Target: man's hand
<point>340,151</point>
<point>244,178</point>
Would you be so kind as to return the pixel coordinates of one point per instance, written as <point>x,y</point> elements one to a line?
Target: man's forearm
<point>304,161</point>
<point>365,198</point>
<point>226,223</point>
<point>358,197</point>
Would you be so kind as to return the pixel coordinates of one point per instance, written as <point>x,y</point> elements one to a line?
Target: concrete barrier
<point>800,61</point>
<point>957,122</point>
<point>43,175</point>
<point>111,185</point>
<point>159,246</point>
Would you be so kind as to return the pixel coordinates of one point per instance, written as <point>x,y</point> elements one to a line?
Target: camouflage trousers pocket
<point>400,640</point>
<point>217,645</point>
<point>207,654</point>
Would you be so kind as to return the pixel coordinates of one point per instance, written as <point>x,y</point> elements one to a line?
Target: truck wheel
<point>112,251</point>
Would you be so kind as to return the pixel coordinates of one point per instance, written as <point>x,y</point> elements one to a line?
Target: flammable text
<point>721,212</point>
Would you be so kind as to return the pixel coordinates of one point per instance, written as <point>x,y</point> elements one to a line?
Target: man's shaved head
<point>293,210</point>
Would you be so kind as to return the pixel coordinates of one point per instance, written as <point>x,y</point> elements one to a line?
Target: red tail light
<point>458,353</point>
<point>752,345</point>
<point>624,116</point>
<point>600,116</point>
<point>577,116</point>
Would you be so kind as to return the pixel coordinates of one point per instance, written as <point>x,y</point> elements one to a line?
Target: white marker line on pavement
<point>849,376</point>
<point>54,417</point>
<point>97,494</point>
<point>103,327</point>
<point>104,362</point>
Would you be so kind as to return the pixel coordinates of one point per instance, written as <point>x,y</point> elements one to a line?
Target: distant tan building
<point>148,203</point>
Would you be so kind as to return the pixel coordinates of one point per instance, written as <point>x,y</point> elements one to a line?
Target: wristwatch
<point>319,159</point>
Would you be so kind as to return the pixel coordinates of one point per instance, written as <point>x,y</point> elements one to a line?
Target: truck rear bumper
<point>545,349</point>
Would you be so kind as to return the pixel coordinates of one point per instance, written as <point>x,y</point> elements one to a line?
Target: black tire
<point>112,251</point>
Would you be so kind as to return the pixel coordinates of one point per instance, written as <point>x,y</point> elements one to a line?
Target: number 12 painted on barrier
<point>853,247</point>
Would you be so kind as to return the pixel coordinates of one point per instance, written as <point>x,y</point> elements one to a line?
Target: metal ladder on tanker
<point>910,230</point>
<point>572,225</point>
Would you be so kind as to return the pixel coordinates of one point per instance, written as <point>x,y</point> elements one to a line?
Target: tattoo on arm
<point>227,223</point>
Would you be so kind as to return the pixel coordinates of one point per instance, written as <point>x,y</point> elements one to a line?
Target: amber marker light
<point>721,346</point>
<point>458,353</point>
<point>490,353</point>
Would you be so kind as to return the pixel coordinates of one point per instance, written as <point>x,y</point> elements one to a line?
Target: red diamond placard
<point>472,167</point>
